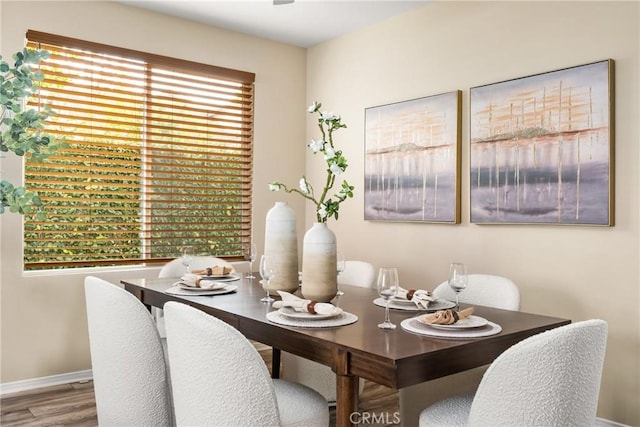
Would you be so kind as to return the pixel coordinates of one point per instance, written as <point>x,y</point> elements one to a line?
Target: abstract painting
<point>412,160</point>
<point>541,148</point>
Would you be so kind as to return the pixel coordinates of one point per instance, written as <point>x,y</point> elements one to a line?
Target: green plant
<point>21,126</point>
<point>336,165</point>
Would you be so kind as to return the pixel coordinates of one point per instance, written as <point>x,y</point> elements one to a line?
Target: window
<point>158,155</point>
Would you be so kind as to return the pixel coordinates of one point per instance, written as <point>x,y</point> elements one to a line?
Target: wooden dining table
<point>393,358</point>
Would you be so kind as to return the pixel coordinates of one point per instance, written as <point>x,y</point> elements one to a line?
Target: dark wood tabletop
<point>393,358</point>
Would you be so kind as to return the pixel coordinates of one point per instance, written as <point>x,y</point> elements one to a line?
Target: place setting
<point>395,297</point>
<point>210,281</point>
<point>414,300</point>
<point>452,322</point>
<point>292,310</point>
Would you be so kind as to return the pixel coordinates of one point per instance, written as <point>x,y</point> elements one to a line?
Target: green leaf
<point>22,126</point>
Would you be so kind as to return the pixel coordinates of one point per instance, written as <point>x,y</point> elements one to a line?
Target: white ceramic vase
<point>281,241</point>
<point>319,268</point>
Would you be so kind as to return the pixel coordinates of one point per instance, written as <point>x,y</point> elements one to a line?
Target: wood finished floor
<point>74,404</point>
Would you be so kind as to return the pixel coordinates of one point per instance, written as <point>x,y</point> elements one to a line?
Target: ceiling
<point>303,23</point>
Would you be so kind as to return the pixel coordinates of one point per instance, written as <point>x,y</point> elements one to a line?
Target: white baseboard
<point>601,422</point>
<point>34,383</point>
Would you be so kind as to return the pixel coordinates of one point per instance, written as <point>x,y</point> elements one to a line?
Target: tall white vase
<point>319,269</point>
<point>281,241</point>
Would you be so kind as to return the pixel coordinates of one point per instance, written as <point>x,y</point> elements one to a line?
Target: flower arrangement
<point>326,207</point>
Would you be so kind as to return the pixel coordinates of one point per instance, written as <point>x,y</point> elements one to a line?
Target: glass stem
<point>386,313</point>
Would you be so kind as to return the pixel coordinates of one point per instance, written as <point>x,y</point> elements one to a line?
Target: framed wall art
<point>541,148</point>
<point>412,160</point>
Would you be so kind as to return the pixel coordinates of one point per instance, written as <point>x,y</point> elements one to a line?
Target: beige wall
<point>43,316</point>
<point>568,271</point>
<point>574,272</point>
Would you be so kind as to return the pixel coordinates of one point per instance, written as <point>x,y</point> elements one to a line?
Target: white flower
<point>322,212</point>
<point>336,164</point>
<point>316,145</point>
<point>303,186</point>
<point>329,153</point>
<point>335,169</point>
<point>313,107</point>
<point>327,116</point>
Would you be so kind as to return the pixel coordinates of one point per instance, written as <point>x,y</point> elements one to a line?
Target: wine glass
<point>341,265</point>
<point>187,257</point>
<point>253,252</point>
<point>457,279</point>
<point>267,270</point>
<point>387,288</point>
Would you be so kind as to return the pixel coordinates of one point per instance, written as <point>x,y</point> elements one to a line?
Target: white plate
<point>401,301</point>
<point>225,278</point>
<point>177,290</point>
<point>439,304</point>
<point>291,313</point>
<point>468,323</point>
<point>416,327</point>
<point>217,276</point>
<point>215,287</point>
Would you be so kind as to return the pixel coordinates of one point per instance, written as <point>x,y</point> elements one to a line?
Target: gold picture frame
<point>542,148</point>
<point>413,160</point>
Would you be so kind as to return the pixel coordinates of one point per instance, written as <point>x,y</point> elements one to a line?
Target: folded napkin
<point>216,270</point>
<point>304,305</point>
<point>446,317</point>
<point>419,297</point>
<point>196,281</point>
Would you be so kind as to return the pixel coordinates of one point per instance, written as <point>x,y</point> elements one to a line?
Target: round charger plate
<point>215,287</point>
<point>341,320</point>
<point>293,314</point>
<point>439,304</point>
<point>226,278</point>
<point>176,290</point>
<point>413,325</point>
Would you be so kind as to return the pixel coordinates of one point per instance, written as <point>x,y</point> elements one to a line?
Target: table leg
<point>275,362</point>
<point>347,399</point>
<point>347,389</point>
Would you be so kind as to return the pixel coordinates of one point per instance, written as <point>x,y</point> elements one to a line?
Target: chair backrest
<point>217,376</point>
<point>550,379</point>
<point>484,289</point>
<point>358,273</point>
<point>130,377</point>
<point>175,268</point>
<point>241,266</point>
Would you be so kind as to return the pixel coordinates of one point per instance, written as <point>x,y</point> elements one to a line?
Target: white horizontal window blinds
<point>158,155</point>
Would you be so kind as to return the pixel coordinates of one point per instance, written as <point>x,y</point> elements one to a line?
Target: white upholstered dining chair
<point>320,377</point>
<point>482,289</point>
<point>550,379</point>
<point>175,268</point>
<point>130,376</point>
<point>219,379</point>
<point>358,273</point>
